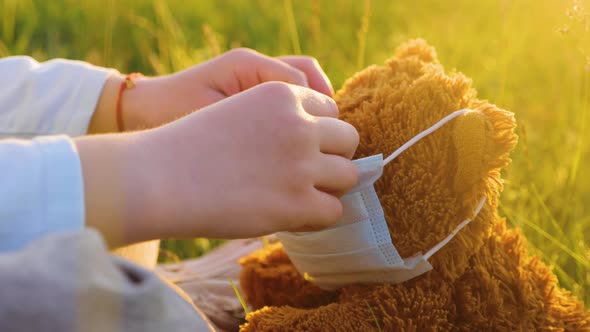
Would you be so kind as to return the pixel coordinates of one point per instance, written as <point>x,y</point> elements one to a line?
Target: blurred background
<point>531,57</point>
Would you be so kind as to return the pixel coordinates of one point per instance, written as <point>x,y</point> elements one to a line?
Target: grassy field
<point>528,56</point>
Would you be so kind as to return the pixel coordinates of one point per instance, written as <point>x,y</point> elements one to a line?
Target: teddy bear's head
<point>438,182</point>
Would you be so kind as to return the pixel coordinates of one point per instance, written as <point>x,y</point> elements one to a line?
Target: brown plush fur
<point>483,279</point>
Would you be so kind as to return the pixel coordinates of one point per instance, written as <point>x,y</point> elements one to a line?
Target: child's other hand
<point>269,159</point>
<point>159,100</point>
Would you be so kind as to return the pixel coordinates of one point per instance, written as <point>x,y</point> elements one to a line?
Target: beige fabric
<point>69,282</point>
<point>206,280</point>
<point>144,254</point>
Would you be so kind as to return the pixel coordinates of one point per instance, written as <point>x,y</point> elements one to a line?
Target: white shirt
<point>41,186</point>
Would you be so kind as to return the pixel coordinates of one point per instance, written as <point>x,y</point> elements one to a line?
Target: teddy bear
<point>481,280</point>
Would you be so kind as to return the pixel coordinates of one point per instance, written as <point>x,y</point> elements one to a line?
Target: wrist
<point>113,188</point>
<point>140,104</point>
<point>104,118</point>
<point>172,207</point>
<point>133,103</point>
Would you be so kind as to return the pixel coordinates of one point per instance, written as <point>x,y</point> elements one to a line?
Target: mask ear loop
<point>413,141</point>
<point>423,134</point>
<point>459,227</point>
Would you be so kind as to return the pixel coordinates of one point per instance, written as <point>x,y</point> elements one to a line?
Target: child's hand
<point>269,159</point>
<point>159,100</point>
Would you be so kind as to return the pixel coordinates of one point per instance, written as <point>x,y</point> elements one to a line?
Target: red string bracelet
<point>127,84</point>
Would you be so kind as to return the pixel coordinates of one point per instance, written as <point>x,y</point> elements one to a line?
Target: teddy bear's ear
<point>470,137</point>
<point>416,48</point>
<point>483,139</point>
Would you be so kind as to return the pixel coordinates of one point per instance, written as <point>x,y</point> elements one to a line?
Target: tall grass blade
<point>374,317</point>
<point>292,26</point>
<point>578,258</point>
<point>240,298</point>
<point>362,34</point>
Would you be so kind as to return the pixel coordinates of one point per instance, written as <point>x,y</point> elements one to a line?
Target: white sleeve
<point>41,184</point>
<point>41,189</point>
<point>54,97</point>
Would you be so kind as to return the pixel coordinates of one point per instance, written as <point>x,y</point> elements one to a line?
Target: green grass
<point>239,296</point>
<point>374,317</point>
<point>529,56</point>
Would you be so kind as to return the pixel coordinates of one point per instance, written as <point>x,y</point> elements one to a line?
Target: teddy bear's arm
<point>268,278</point>
<point>420,305</point>
<point>333,317</point>
<point>506,288</point>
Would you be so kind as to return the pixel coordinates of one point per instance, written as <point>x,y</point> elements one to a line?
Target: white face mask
<point>358,249</point>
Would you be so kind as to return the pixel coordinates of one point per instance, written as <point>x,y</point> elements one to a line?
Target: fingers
<point>252,68</point>
<point>335,175</point>
<point>317,104</point>
<point>316,77</point>
<point>337,137</point>
<point>323,210</point>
